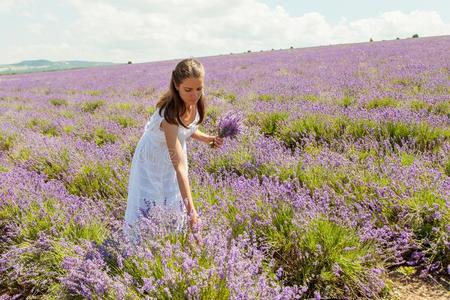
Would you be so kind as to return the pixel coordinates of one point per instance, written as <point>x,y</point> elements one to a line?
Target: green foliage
<point>97,180</point>
<point>54,165</point>
<point>143,92</point>
<point>44,126</point>
<point>232,162</point>
<point>428,216</point>
<point>46,217</point>
<point>362,155</point>
<point>42,265</point>
<point>91,106</point>
<point>58,102</point>
<point>280,236</point>
<point>236,222</point>
<point>208,193</point>
<point>425,198</point>
<point>311,98</point>
<point>266,97</point>
<point>102,137</point>
<point>396,132</point>
<point>71,92</point>
<point>150,110</point>
<point>220,93</point>
<point>427,137</point>
<point>407,159</point>
<point>346,101</point>
<point>316,176</point>
<point>325,247</point>
<point>290,172</point>
<point>300,128</point>
<point>327,128</point>
<point>360,128</point>
<point>213,114</point>
<point>128,147</point>
<point>125,106</point>
<point>442,108</point>
<point>230,98</point>
<point>68,129</point>
<point>155,267</point>
<point>253,119</point>
<point>318,126</point>
<point>381,102</point>
<point>93,92</point>
<point>417,105</point>
<point>269,122</point>
<point>323,256</point>
<point>447,167</point>
<point>124,121</point>
<point>414,85</point>
<point>6,141</point>
<point>406,270</point>
<point>242,162</point>
<point>21,154</point>
<point>67,114</point>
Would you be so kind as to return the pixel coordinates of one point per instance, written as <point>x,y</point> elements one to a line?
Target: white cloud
<point>50,17</point>
<point>37,29</point>
<point>396,23</point>
<point>9,5</point>
<point>148,30</point>
<point>6,5</point>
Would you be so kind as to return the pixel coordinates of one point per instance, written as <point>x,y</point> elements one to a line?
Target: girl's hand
<point>195,224</point>
<point>217,141</point>
<point>194,221</point>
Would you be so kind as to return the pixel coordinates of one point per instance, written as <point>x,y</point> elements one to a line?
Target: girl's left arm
<point>202,137</point>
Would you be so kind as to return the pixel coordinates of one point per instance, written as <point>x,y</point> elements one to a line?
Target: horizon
<point>223,54</point>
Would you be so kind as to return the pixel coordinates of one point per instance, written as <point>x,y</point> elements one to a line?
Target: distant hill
<point>40,65</point>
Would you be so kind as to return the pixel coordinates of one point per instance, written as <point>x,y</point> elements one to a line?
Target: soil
<point>415,288</point>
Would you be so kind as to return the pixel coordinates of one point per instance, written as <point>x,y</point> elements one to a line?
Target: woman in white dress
<point>159,169</point>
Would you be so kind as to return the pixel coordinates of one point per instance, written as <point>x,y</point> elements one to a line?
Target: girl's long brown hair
<point>171,100</point>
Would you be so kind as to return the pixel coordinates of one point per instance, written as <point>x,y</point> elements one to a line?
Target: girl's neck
<point>190,108</point>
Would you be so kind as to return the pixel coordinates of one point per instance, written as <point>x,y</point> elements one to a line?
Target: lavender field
<point>340,177</point>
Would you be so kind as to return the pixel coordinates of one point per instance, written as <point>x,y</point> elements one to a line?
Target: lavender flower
<point>230,125</point>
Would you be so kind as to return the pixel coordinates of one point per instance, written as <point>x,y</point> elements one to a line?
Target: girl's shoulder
<point>159,112</point>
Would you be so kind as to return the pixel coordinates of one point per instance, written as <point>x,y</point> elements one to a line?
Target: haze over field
<point>28,66</point>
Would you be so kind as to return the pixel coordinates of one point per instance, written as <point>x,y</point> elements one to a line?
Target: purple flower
<point>279,272</point>
<point>336,269</point>
<point>230,125</point>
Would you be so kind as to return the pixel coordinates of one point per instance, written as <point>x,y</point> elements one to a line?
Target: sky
<point>152,30</point>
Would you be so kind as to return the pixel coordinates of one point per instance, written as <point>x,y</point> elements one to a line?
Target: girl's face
<point>191,89</point>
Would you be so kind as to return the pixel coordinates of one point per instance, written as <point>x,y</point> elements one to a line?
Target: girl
<point>159,169</point>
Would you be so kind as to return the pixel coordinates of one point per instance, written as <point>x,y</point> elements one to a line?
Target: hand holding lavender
<point>229,126</point>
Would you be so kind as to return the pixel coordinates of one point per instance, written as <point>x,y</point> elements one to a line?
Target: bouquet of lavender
<point>229,126</point>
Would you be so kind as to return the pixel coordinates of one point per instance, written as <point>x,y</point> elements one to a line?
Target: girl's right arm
<point>176,157</point>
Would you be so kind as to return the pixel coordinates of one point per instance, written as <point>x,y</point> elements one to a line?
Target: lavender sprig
<point>229,126</point>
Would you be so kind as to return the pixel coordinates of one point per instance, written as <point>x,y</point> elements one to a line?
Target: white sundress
<point>153,180</point>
